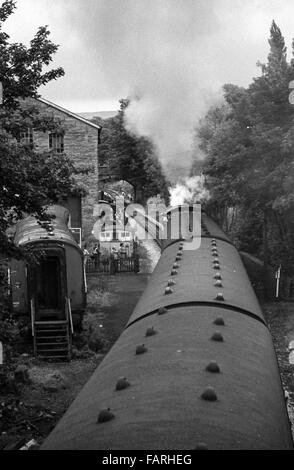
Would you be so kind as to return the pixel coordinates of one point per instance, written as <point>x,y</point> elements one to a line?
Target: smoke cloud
<point>167,89</point>
<point>155,50</point>
<point>171,57</point>
<point>189,190</point>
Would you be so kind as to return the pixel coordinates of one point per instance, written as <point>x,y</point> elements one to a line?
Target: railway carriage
<point>195,367</point>
<point>51,290</point>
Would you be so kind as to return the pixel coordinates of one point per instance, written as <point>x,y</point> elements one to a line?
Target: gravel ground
<point>280,319</point>
<point>30,410</point>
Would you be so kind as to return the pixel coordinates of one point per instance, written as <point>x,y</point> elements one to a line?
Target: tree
<point>130,157</point>
<point>249,143</point>
<point>21,68</point>
<point>28,180</point>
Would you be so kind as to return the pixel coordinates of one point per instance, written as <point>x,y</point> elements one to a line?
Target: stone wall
<point>81,145</point>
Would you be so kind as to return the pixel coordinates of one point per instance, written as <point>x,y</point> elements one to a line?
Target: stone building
<point>79,139</point>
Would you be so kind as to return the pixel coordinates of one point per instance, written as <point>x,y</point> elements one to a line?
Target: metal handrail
<point>70,314</point>
<point>33,316</point>
<point>85,278</point>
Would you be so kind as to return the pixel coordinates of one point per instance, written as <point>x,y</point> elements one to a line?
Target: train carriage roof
<point>30,230</point>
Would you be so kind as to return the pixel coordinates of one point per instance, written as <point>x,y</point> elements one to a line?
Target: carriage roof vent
<point>217,336</point>
<point>105,415</point>
<point>213,367</point>
<point>122,383</point>
<point>209,394</point>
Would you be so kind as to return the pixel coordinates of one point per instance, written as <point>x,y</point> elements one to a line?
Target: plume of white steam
<point>167,111</point>
<point>159,53</point>
<point>160,58</point>
<point>169,56</point>
<point>189,190</point>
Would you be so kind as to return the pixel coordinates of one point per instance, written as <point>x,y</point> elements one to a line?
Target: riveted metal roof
<point>205,227</point>
<point>194,280</point>
<point>30,231</point>
<point>174,400</point>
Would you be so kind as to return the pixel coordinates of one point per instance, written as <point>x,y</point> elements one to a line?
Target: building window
<point>27,136</point>
<point>56,142</point>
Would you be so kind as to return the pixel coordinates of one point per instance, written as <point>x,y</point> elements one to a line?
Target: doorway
<point>47,287</point>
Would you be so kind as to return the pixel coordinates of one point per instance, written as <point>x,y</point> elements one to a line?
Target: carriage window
<point>56,142</point>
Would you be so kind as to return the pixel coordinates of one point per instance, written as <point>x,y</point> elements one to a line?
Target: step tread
<point>53,344</point>
<point>52,331</point>
<point>52,351</point>
<point>51,337</point>
<point>53,357</point>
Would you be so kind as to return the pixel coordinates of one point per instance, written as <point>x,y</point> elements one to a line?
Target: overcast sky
<point>171,56</point>
<point>105,45</point>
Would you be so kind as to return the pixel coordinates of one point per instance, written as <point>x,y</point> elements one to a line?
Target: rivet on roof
<point>217,276</point>
<point>220,297</point>
<point>217,336</point>
<point>175,266</point>
<point>218,283</point>
<point>219,321</point>
<point>213,367</point>
<point>122,383</point>
<point>201,446</point>
<point>168,290</point>
<point>150,331</point>
<point>141,349</point>
<point>180,247</point>
<point>174,272</point>
<point>162,310</point>
<point>215,261</point>
<point>216,266</point>
<point>105,415</point>
<point>209,394</point>
<point>170,282</point>
<point>178,258</point>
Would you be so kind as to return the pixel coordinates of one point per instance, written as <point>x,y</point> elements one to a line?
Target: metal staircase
<point>52,339</point>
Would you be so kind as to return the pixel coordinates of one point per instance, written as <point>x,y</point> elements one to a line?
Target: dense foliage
<point>249,146</point>
<point>28,179</point>
<point>129,157</point>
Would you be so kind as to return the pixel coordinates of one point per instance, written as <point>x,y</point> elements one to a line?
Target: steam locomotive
<point>195,367</point>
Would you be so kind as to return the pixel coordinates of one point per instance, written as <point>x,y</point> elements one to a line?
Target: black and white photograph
<point>146,228</point>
